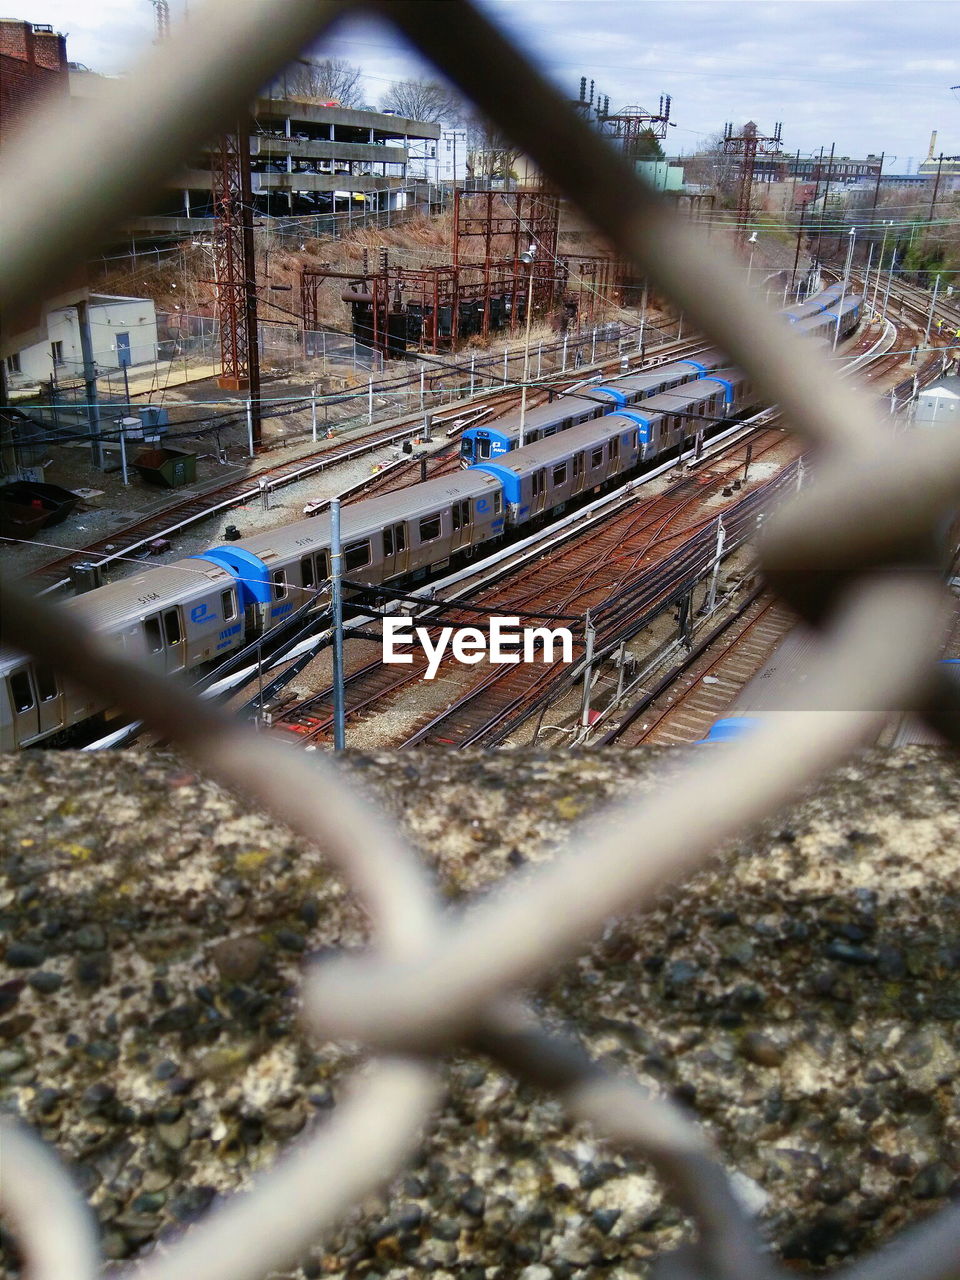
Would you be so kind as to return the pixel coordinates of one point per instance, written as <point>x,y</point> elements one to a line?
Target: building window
<point>13,363</point>
<point>56,353</point>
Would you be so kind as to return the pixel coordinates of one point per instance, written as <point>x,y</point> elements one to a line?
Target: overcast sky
<point>870,75</point>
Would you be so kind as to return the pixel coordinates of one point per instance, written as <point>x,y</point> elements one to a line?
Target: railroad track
<point>699,690</point>
<point>136,537</point>
<point>610,562</point>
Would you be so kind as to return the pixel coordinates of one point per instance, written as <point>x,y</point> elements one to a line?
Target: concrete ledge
<point>801,995</point>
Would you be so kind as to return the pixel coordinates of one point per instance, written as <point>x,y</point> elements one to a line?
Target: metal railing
<point>856,553</point>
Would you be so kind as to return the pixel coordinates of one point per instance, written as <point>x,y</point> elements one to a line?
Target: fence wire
<point>856,553</point>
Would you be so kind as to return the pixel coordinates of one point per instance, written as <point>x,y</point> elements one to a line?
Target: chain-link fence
<point>858,553</point>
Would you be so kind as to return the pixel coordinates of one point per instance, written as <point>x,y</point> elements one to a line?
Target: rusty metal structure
<point>747,145</point>
<point>588,283</point>
<point>630,125</point>
<point>235,268</point>
<point>505,222</point>
<point>429,309</point>
<point>483,291</point>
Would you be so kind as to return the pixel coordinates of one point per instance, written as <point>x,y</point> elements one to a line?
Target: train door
<point>462,535</point>
<point>24,705</point>
<point>394,550</point>
<point>538,488</point>
<point>174,640</point>
<point>163,638</point>
<point>35,702</point>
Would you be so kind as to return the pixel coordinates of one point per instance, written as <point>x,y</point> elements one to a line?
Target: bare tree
<point>714,167</point>
<point>328,80</point>
<point>428,100</point>
<point>490,153</point>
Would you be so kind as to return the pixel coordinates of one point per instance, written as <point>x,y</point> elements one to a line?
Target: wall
<point>33,64</point>
<point>108,317</point>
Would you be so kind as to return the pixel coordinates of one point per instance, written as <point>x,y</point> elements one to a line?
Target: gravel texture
<point>800,995</point>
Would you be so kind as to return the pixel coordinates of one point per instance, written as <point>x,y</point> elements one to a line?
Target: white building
<point>939,404</point>
<point>123,332</point>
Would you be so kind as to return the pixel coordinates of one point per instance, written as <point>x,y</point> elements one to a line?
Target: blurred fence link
<point>856,554</point>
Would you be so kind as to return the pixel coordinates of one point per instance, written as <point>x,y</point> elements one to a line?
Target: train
<point>816,318</point>
<point>189,615</point>
<point>581,404</point>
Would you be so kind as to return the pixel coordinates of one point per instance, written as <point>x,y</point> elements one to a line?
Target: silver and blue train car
<point>824,325</point>
<point>672,416</point>
<point>410,532</point>
<point>480,443</point>
<point>542,478</point>
<point>813,306</point>
<point>581,404</point>
<point>170,619</point>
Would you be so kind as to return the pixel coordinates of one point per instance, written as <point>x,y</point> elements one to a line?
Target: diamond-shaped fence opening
<point>855,554</point>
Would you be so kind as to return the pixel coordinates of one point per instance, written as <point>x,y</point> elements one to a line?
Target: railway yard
<point>471,561</point>
<point>654,578</point>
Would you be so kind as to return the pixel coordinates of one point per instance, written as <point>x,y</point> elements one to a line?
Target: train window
<point>614,448</point>
<point>357,554</point>
<point>429,528</point>
<point>596,458</point>
<point>228,605</point>
<point>497,503</point>
<point>46,684</point>
<point>307,572</point>
<point>560,474</point>
<point>278,580</point>
<point>636,439</point>
<point>551,431</point>
<point>21,691</point>
<point>154,637</point>
<point>171,625</point>
<point>388,547</point>
<point>323,566</point>
<point>578,464</point>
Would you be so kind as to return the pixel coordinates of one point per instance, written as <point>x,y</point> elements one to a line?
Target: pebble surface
<point>800,995</point>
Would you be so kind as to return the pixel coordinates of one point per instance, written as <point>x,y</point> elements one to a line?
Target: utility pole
<point>933,303</point>
<point>528,257</point>
<point>336,575</point>
<point>936,188</point>
<point>826,193</point>
<point>876,189</point>
<point>90,382</point>
<point>846,280</point>
<point>883,249</point>
<point>796,256</point>
<point>886,296</point>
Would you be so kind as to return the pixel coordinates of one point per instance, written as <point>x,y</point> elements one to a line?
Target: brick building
<point>33,66</point>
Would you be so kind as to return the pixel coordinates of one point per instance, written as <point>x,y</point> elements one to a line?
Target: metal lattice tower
<point>630,124</point>
<point>235,268</point>
<point>747,145</point>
